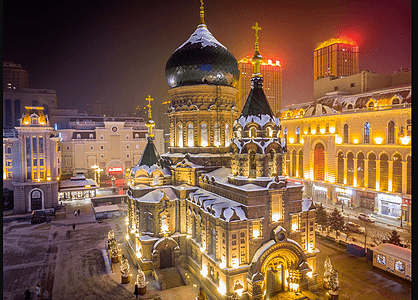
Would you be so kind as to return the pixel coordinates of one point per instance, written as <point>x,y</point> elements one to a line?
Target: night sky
<point>115,52</point>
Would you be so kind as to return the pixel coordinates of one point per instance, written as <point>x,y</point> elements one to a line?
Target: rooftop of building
<point>332,41</point>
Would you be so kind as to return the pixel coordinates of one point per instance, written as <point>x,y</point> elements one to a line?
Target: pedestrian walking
<point>78,212</point>
<point>75,213</point>
<point>74,226</point>
<point>27,295</point>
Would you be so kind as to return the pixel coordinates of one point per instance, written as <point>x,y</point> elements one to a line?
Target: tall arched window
<point>253,132</point>
<point>293,170</point>
<point>345,139</point>
<point>297,135</point>
<point>371,172</point>
<point>252,164</point>
<point>408,175</point>
<point>360,169</point>
<point>319,162</point>
<point>397,174</point>
<point>285,134</point>
<point>180,135</point>
<point>213,240</point>
<point>217,135</point>
<point>340,167</point>
<point>272,167</point>
<point>203,134</point>
<point>227,135</point>
<point>190,135</point>
<point>350,168</point>
<point>269,132</point>
<point>391,133</point>
<point>300,165</point>
<point>366,134</point>
<point>384,168</point>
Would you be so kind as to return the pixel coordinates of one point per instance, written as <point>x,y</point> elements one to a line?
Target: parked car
<point>353,227</point>
<point>365,217</point>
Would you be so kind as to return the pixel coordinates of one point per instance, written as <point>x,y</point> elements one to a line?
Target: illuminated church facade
<point>216,205</point>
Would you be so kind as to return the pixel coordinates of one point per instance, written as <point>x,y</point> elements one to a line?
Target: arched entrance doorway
<point>165,253</point>
<point>166,258</point>
<point>35,199</point>
<point>319,162</point>
<point>278,265</point>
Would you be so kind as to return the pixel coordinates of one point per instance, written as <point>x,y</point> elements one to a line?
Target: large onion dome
<point>202,59</point>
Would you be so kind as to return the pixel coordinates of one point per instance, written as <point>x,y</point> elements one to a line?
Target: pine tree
<point>327,267</point>
<point>321,215</point>
<point>394,238</point>
<point>201,295</point>
<point>336,220</point>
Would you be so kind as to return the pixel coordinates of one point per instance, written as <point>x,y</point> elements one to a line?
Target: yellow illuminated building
<point>353,150</point>
<point>271,70</point>
<point>337,57</point>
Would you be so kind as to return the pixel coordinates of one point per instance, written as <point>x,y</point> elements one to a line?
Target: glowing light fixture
<point>204,270</point>
<point>355,141</point>
<point>222,287</point>
<point>302,141</point>
<point>291,140</point>
<point>127,237</point>
<point>405,140</point>
<point>313,131</point>
<point>378,140</point>
<point>322,130</point>
<point>275,217</point>
<point>332,129</point>
<point>338,140</point>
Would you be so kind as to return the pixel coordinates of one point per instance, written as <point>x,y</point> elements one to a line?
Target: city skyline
<point>99,52</point>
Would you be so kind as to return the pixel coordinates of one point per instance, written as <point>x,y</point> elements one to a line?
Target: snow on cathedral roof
<point>261,120</point>
<point>157,195</point>
<point>218,206</point>
<point>202,36</point>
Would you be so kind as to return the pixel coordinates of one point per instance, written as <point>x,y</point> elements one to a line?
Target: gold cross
<point>256,28</point>
<point>149,99</point>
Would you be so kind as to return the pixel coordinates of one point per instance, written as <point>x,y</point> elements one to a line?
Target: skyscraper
<point>271,71</point>
<point>337,57</point>
<point>14,76</point>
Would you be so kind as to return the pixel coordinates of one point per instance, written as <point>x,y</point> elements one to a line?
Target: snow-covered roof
<point>149,170</point>
<point>156,195</point>
<point>218,206</point>
<point>77,183</point>
<point>261,120</point>
<point>393,250</point>
<point>106,208</point>
<point>203,36</point>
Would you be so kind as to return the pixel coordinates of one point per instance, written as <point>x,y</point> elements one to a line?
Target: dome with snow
<point>202,59</point>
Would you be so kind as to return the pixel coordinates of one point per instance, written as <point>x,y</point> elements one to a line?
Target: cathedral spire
<point>257,58</point>
<point>150,123</point>
<point>202,15</point>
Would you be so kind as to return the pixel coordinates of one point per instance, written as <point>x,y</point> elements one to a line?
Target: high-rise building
<point>14,76</point>
<point>337,57</point>
<point>271,70</point>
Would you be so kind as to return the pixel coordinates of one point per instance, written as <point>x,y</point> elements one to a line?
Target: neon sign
<point>115,169</point>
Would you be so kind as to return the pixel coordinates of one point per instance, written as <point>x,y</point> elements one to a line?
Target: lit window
<point>227,137</point>
<point>399,266</point>
<point>217,135</point>
<point>381,259</point>
<point>190,135</point>
<point>180,135</point>
<point>203,135</point>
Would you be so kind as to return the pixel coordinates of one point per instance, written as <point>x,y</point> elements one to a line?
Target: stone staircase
<point>171,278</point>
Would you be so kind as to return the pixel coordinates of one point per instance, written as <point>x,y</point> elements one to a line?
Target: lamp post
<point>98,170</point>
<point>94,168</point>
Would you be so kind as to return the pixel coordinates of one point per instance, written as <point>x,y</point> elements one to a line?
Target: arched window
<point>149,222</point>
<point>252,164</point>
<point>366,134</point>
<point>319,162</point>
<point>9,150</point>
<point>239,133</point>
<point>300,165</point>
<point>203,134</point>
<point>408,175</point>
<point>293,170</point>
<point>180,135</point>
<point>272,167</point>
<point>397,174</point>
<point>350,106</point>
<point>340,167</point>
<point>384,168</point>
<point>136,135</point>
<point>391,133</point>
<point>269,132</point>
<point>91,136</point>
<point>78,136</point>
<point>213,240</point>
<point>217,135</point>
<point>190,135</point>
<point>227,135</point>
<point>345,140</point>
<point>253,132</point>
<point>360,169</point>
<point>36,199</point>
<point>297,135</point>
<point>395,101</point>
<point>350,168</point>
<point>371,172</point>
<point>371,104</point>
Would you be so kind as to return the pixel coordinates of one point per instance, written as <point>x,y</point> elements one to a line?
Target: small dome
<point>202,59</point>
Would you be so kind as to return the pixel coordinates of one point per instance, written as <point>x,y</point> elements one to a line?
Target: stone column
<point>355,183</point>
<point>390,175</point>
<point>366,172</point>
<point>345,170</point>
<point>404,177</point>
<point>378,174</point>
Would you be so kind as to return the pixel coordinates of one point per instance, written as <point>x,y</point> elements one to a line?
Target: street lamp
<point>98,170</point>
<point>94,168</point>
